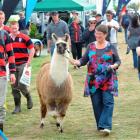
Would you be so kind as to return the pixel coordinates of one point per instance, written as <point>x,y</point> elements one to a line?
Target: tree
<point>134,6</point>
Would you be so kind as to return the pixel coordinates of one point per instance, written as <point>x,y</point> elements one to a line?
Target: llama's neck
<point>59,68</point>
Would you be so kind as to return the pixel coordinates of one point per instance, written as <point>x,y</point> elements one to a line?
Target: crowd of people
<point>99,37</point>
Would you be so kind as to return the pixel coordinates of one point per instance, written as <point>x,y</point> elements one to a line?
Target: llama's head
<point>61,44</point>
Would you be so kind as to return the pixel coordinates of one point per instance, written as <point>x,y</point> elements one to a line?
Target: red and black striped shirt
<point>6,48</point>
<point>21,46</point>
<point>7,28</point>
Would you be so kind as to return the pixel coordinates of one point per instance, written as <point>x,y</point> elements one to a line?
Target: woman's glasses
<point>92,22</point>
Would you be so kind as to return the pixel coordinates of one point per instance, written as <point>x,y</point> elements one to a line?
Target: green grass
<point>79,122</point>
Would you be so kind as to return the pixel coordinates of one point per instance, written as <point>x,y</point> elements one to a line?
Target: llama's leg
<point>61,108</point>
<point>52,109</point>
<point>59,123</point>
<point>43,114</point>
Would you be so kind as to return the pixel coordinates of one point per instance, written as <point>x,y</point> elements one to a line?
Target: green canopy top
<point>63,5</point>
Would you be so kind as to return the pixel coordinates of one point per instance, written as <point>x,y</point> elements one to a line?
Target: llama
<point>54,83</point>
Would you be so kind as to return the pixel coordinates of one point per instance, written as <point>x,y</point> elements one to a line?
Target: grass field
<point>79,123</point>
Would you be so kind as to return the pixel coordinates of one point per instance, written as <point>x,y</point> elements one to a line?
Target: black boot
<point>29,101</point>
<point>17,106</point>
<point>1,127</point>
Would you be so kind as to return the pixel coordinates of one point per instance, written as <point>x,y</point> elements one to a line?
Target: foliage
<point>34,32</point>
<point>134,6</point>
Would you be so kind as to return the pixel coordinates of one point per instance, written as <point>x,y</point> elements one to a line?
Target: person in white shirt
<point>113,27</point>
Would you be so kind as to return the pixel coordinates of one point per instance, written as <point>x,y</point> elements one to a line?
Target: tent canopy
<point>63,5</point>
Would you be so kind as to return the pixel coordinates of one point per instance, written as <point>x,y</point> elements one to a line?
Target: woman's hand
<point>138,50</point>
<point>75,62</point>
<point>112,67</point>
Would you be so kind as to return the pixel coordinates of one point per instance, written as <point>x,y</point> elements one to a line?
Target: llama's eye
<point>62,45</point>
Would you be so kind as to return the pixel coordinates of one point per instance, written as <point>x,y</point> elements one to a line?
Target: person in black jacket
<point>98,19</point>
<point>88,34</point>
<point>76,30</point>
<point>23,27</point>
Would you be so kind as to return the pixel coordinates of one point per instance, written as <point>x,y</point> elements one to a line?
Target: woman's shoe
<point>105,131</point>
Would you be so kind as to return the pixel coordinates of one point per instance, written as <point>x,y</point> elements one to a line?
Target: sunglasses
<point>92,22</point>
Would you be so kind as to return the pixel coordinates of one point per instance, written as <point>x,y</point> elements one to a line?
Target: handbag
<point>26,76</point>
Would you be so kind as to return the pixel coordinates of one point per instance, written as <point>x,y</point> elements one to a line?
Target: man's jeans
<point>103,105</point>
<point>126,34</point>
<point>3,90</point>
<point>135,61</point>
<point>52,49</point>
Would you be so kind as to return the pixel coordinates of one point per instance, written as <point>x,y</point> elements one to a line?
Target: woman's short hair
<point>2,13</point>
<point>109,12</point>
<point>102,28</point>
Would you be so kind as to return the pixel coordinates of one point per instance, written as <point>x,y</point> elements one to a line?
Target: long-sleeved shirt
<point>6,50</point>
<point>20,45</point>
<point>99,75</point>
<point>99,52</point>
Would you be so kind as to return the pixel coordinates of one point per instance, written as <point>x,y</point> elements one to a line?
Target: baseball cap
<point>98,15</point>
<point>53,13</point>
<point>14,18</point>
<point>92,19</point>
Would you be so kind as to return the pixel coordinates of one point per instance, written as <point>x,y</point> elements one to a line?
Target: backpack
<point>125,21</point>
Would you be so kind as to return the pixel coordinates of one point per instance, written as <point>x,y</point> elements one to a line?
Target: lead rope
<point>68,57</point>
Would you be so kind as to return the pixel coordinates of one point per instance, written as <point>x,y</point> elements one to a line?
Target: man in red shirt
<point>23,51</point>
<point>6,51</point>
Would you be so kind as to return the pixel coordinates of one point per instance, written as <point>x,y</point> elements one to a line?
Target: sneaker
<point>127,50</point>
<point>105,131</point>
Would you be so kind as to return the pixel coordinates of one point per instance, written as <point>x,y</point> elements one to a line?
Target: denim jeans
<point>125,34</point>
<point>52,49</point>
<point>103,105</point>
<point>135,61</point>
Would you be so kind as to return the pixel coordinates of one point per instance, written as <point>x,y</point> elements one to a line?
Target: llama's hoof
<point>61,131</point>
<point>42,125</point>
<point>58,125</point>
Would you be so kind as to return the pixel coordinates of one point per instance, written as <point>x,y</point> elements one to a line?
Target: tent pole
<point>83,18</point>
<point>42,23</point>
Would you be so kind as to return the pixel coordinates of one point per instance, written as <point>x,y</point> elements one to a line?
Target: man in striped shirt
<point>23,52</point>
<point>5,50</point>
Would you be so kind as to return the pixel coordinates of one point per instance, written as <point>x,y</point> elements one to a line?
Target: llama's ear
<point>54,37</point>
<point>66,37</point>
